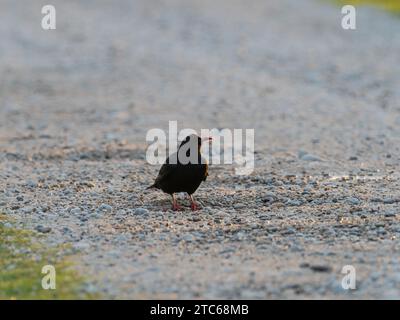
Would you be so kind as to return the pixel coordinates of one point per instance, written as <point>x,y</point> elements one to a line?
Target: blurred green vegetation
<point>390,5</point>
<point>22,256</point>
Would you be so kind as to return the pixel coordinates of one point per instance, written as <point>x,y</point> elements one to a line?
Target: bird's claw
<point>194,207</point>
<point>176,207</point>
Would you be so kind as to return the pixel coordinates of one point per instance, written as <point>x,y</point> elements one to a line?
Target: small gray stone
<point>42,229</point>
<point>121,238</point>
<point>27,210</point>
<point>389,201</point>
<point>141,211</point>
<point>381,231</point>
<point>110,190</point>
<point>188,238</point>
<point>303,155</point>
<point>31,184</point>
<point>75,211</point>
<point>239,236</point>
<point>227,250</point>
<point>354,201</point>
<point>66,230</point>
<point>310,157</point>
<point>289,231</point>
<point>105,207</point>
<point>294,203</point>
<point>269,197</point>
<point>390,214</point>
<point>81,245</point>
<point>195,219</point>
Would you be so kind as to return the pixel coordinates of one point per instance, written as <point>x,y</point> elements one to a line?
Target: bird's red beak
<point>206,139</point>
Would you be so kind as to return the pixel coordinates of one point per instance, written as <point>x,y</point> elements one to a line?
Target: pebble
<point>91,288</point>
<point>310,157</point>
<point>141,211</point>
<point>264,217</point>
<point>269,197</point>
<point>320,268</point>
<point>31,184</point>
<point>66,230</point>
<point>390,201</point>
<point>42,229</point>
<point>105,207</point>
<point>381,231</point>
<point>75,211</point>
<point>88,184</point>
<point>122,238</point>
<point>353,200</point>
<point>110,190</point>
<point>307,189</point>
<point>188,238</point>
<point>288,231</point>
<point>227,250</point>
<point>293,203</point>
<point>303,155</point>
<point>27,210</point>
<point>81,245</point>
<point>239,236</point>
<point>195,219</point>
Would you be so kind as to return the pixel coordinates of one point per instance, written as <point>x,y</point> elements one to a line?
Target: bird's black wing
<point>166,170</point>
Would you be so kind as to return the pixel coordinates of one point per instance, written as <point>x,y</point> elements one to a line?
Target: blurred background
<point>112,70</point>
<point>390,5</point>
<point>76,104</point>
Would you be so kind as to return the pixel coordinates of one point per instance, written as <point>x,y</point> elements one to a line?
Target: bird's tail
<point>153,186</point>
<point>143,192</point>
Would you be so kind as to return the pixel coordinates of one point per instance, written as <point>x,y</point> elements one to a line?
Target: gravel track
<point>76,103</point>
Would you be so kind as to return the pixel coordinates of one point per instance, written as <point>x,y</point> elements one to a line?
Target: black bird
<point>183,171</point>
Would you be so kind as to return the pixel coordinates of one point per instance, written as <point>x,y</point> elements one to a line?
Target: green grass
<point>389,5</point>
<point>22,256</point>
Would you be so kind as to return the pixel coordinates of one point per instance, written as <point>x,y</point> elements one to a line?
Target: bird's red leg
<point>193,204</point>
<point>175,205</point>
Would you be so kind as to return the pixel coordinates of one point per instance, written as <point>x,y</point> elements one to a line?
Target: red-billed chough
<point>183,171</point>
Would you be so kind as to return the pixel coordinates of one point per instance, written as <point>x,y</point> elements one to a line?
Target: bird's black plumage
<point>184,170</point>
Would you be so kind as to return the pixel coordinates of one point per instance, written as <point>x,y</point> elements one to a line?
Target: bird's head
<point>189,149</point>
<point>194,140</point>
